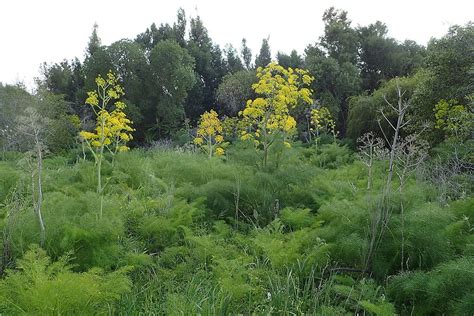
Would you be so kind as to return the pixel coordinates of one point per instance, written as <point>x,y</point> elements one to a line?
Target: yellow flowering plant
<point>209,134</point>
<point>232,128</point>
<point>454,119</point>
<point>321,120</point>
<point>113,129</point>
<point>268,116</point>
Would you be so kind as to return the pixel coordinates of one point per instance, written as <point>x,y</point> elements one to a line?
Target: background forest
<point>168,175</point>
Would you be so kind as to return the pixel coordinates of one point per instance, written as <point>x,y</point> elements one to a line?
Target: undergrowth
<point>182,234</point>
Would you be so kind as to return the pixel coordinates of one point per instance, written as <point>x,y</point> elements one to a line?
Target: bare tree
<point>410,154</point>
<point>381,217</point>
<point>32,126</point>
<point>371,148</point>
<point>453,176</point>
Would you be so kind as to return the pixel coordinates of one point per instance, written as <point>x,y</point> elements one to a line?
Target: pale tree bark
<point>381,218</point>
<point>33,127</point>
<point>39,199</point>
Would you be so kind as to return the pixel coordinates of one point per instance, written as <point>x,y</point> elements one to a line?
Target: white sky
<point>32,32</point>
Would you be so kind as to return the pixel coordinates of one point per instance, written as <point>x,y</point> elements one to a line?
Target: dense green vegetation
<point>334,183</point>
<point>184,234</point>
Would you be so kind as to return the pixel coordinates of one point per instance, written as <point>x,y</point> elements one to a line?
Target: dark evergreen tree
<point>94,41</point>
<point>173,76</point>
<point>340,39</point>
<point>265,55</point>
<point>382,57</point>
<point>293,60</point>
<point>246,54</point>
<point>209,68</point>
<point>232,59</point>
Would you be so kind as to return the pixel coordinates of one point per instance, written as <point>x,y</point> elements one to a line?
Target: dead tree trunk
<point>382,216</point>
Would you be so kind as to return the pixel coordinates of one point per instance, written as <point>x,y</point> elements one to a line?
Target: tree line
<point>174,73</point>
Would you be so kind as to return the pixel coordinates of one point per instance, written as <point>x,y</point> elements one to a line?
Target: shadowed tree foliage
<point>382,57</point>
<point>293,60</point>
<point>232,60</point>
<point>234,91</point>
<point>448,74</point>
<point>334,83</point>
<point>153,34</point>
<point>246,54</point>
<point>173,77</point>
<point>265,55</point>
<point>209,68</point>
<point>340,39</point>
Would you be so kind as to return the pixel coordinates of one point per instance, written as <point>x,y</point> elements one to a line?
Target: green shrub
<point>166,225</point>
<point>72,224</point>
<point>331,156</point>
<point>297,218</point>
<point>42,287</point>
<point>447,289</point>
<point>460,231</point>
<point>8,179</point>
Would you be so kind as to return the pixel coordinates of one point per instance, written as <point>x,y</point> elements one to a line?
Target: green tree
<point>246,54</point>
<point>233,62</point>
<point>63,123</point>
<point>340,39</point>
<point>65,78</point>
<point>234,90</point>
<point>179,27</point>
<point>455,119</point>
<point>13,102</point>
<point>334,83</point>
<point>97,62</point>
<point>382,58</point>
<point>94,41</point>
<point>448,74</point>
<point>294,60</point>
<point>173,77</point>
<point>364,114</point>
<point>209,68</point>
<point>265,55</point>
<point>153,35</point>
<point>129,61</point>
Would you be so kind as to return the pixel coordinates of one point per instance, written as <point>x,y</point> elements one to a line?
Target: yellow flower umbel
<point>113,128</point>
<point>209,133</point>
<point>321,120</point>
<point>268,116</point>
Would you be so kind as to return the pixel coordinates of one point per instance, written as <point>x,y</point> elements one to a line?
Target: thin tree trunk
<point>39,201</point>
<point>99,167</point>
<point>40,197</point>
<point>99,181</point>
<point>209,144</point>
<point>369,180</point>
<point>265,154</point>
<point>382,218</point>
<point>237,200</point>
<point>402,218</point>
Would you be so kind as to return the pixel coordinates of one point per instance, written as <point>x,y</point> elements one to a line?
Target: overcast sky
<point>32,32</point>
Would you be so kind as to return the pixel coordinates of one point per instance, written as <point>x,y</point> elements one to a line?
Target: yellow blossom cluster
<point>232,127</point>
<point>113,128</point>
<point>321,120</point>
<point>209,133</point>
<point>268,116</point>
